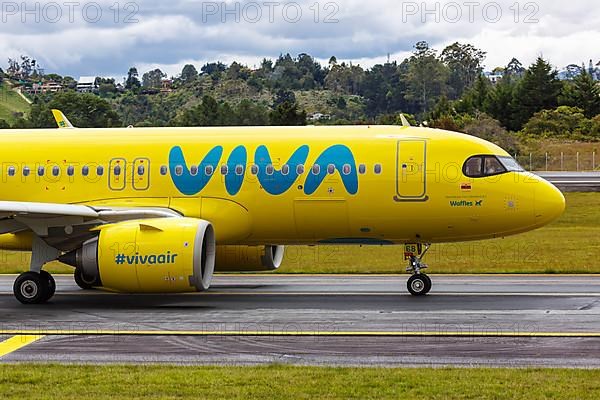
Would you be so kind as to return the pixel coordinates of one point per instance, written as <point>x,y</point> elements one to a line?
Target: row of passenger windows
<point>85,170</point>
<point>208,170</point>
<point>270,169</point>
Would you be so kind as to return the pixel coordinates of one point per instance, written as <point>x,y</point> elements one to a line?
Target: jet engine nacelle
<point>149,256</point>
<point>248,258</point>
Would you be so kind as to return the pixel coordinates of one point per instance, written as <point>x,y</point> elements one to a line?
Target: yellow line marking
<point>37,334</point>
<point>16,342</point>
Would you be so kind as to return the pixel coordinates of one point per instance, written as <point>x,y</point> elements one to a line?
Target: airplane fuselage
<point>283,185</point>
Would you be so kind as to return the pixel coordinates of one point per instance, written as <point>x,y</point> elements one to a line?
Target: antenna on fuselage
<point>404,121</point>
<point>62,121</point>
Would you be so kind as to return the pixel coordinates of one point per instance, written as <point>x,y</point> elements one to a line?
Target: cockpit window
<point>511,164</point>
<point>473,167</point>
<point>492,166</point>
<point>482,166</point>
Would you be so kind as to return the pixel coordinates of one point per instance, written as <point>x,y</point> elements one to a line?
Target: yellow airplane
<point>156,210</point>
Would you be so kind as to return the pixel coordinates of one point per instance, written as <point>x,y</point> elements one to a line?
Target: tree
<point>248,113</point>
<point>476,98</point>
<point>563,121</point>
<point>213,68</point>
<point>189,73</point>
<point>285,110</point>
<point>500,102</point>
<point>485,127</point>
<point>132,82</point>
<point>465,64</point>
<point>153,79</point>
<point>83,110</point>
<point>426,77</point>
<point>515,68</point>
<point>582,92</point>
<point>538,90</point>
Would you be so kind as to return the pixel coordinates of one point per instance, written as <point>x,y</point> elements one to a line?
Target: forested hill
<point>445,89</point>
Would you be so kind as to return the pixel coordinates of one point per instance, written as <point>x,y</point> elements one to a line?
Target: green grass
<point>285,382</point>
<point>570,245</point>
<point>11,103</point>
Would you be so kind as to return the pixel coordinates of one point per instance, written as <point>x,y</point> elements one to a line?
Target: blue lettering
<point>274,181</point>
<point>187,183</point>
<point>234,179</point>
<point>278,183</point>
<point>339,156</point>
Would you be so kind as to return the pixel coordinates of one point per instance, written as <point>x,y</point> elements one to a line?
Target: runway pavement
<point>333,320</point>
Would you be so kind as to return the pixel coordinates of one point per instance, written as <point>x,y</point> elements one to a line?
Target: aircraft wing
<point>64,226</point>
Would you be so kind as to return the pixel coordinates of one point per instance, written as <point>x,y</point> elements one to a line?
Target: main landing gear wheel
<point>51,284</point>
<point>82,281</point>
<point>419,284</point>
<point>34,288</point>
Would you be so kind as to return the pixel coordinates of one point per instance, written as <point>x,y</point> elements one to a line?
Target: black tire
<point>419,285</point>
<point>51,288</point>
<point>31,288</point>
<point>429,283</point>
<point>82,281</point>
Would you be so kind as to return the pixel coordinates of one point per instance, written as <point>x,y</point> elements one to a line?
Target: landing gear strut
<point>34,288</point>
<point>418,284</point>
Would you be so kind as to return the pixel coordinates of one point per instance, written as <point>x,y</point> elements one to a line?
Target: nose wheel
<point>419,284</point>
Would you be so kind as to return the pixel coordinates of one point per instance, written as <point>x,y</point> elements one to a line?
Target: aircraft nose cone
<point>549,203</point>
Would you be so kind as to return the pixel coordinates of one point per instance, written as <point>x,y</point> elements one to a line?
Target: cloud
<point>170,34</point>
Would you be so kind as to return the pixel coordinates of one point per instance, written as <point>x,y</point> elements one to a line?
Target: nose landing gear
<point>419,284</point>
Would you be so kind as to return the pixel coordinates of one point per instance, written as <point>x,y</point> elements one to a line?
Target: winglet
<point>404,120</point>
<point>61,120</point>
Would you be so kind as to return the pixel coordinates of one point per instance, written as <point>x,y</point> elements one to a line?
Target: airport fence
<point>561,161</point>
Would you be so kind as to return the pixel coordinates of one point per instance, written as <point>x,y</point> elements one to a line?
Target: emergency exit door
<point>411,180</point>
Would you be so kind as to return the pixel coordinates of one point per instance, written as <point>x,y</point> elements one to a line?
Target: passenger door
<point>411,165</point>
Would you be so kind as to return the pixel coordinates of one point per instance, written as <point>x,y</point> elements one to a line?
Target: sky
<point>105,38</point>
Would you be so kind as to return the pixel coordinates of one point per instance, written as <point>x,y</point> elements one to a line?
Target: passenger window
<point>163,170</point>
<point>117,170</point>
<point>100,170</point>
<point>330,169</point>
<point>193,170</point>
<point>209,170</point>
<point>270,169</point>
<point>362,169</point>
<point>142,170</point>
<point>41,171</point>
<point>285,170</point>
<point>70,170</point>
<point>26,171</point>
<point>224,169</point>
<point>316,169</point>
<point>300,169</point>
<point>178,170</point>
<point>11,171</point>
<point>346,169</point>
<point>254,169</point>
<point>56,170</point>
<point>378,169</point>
<point>85,171</point>
<point>239,170</point>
